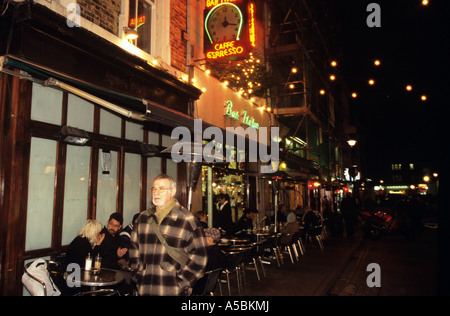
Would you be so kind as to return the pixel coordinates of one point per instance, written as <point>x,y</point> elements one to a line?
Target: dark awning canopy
<point>127,105</point>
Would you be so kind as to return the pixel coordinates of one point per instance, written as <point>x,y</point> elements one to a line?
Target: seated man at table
<point>246,221</point>
<point>111,248</point>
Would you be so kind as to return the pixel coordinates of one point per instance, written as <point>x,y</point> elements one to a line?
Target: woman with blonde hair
<point>87,241</point>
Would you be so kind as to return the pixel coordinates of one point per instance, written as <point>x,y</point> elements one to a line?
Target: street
<point>405,269</point>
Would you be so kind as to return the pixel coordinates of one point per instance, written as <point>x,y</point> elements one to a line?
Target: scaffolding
<point>299,39</point>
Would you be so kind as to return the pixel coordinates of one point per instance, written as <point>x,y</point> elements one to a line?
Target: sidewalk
<point>311,276</point>
<point>407,269</point>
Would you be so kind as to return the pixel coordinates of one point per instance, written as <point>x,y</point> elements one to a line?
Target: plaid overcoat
<point>157,273</point>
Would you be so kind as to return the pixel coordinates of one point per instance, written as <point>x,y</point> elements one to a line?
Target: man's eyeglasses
<point>160,190</point>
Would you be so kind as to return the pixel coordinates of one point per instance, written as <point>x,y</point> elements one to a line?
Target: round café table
<point>104,278</point>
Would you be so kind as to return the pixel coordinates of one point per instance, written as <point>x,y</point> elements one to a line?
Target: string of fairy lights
<point>250,78</point>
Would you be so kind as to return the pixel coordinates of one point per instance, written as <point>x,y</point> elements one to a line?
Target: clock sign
<point>229,29</point>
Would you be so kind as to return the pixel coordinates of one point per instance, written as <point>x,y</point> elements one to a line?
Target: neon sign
<point>226,49</point>
<point>251,27</point>
<point>236,115</point>
<point>230,29</point>
<point>213,3</point>
<point>140,21</point>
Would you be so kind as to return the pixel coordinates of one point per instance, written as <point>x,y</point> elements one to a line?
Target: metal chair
<point>50,265</point>
<point>298,242</point>
<point>207,284</point>
<point>286,242</point>
<point>316,233</point>
<point>233,265</point>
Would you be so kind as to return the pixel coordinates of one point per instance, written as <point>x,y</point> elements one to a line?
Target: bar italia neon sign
<point>244,118</point>
<point>230,31</point>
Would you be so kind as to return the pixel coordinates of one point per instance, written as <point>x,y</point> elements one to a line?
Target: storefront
<point>246,131</point>
<point>84,123</point>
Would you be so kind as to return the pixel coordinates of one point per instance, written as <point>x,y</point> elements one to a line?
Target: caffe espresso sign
<point>243,117</point>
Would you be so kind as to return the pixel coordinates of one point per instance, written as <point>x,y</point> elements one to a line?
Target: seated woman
<point>216,257</point>
<point>86,242</point>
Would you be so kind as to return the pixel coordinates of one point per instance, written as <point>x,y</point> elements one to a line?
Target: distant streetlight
<point>334,63</point>
<point>354,95</point>
<point>377,63</point>
<point>409,88</point>
<point>352,142</point>
<point>371,82</point>
<point>322,92</point>
<point>425,2</point>
<point>426,178</point>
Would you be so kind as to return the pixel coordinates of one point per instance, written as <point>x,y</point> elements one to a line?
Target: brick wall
<point>177,25</point>
<point>104,13</point>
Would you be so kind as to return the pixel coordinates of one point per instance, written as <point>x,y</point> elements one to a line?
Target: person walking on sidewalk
<point>348,208</point>
<point>168,245</point>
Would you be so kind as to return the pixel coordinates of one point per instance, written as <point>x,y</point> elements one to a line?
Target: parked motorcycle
<point>376,223</point>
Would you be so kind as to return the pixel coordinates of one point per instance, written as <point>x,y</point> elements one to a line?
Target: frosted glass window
<point>46,104</point>
<point>134,131</point>
<point>110,124</point>
<point>107,189</point>
<point>172,168</point>
<point>153,170</point>
<point>41,188</point>
<point>76,191</point>
<point>153,138</point>
<point>132,187</point>
<point>80,113</point>
<point>167,141</point>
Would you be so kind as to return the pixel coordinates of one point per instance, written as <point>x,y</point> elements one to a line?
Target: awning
<point>126,105</point>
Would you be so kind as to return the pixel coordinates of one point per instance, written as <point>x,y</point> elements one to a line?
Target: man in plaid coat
<point>158,273</point>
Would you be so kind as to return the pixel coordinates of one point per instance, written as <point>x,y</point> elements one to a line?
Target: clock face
<point>224,23</point>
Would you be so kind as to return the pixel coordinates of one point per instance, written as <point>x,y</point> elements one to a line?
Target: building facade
<point>92,91</point>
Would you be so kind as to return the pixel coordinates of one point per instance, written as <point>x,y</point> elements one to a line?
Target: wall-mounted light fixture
<point>74,136</point>
<point>130,34</point>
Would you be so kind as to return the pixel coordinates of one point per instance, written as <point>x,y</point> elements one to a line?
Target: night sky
<point>413,47</point>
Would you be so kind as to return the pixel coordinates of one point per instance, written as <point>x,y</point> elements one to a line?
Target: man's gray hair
<point>173,183</point>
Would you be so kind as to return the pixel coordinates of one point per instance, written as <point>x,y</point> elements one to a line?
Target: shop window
<point>228,181</point>
<point>134,131</point>
<point>76,191</point>
<point>140,19</point>
<point>153,170</point>
<point>46,104</point>
<point>80,113</point>
<point>107,185</point>
<point>40,194</point>
<point>172,168</point>
<point>132,187</point>
<point>110,124</point>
